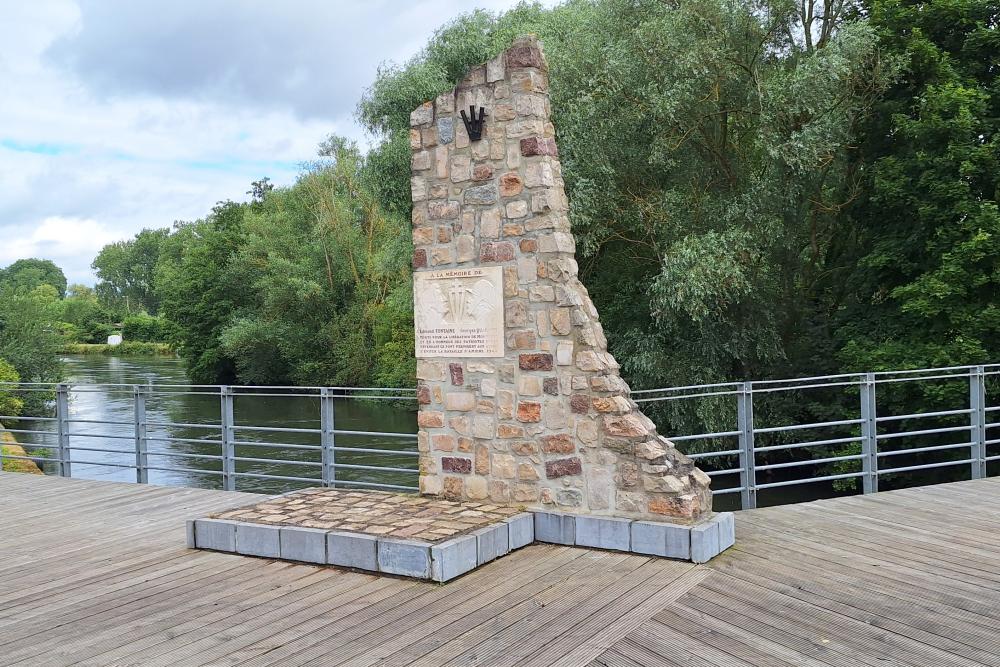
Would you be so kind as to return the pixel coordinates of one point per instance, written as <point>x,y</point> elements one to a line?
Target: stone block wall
<point>549,425</point>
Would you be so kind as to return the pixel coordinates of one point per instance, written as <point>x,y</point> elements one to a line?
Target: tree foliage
<point>126,272</point>
<point>24,275</point>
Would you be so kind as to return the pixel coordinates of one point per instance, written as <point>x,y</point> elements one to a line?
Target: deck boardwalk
<point>96,573</point>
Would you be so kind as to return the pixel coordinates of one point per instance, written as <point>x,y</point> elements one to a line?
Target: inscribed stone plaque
<point>459,312</point>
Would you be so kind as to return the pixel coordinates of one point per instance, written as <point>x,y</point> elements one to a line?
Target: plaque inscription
<point>459,312</point>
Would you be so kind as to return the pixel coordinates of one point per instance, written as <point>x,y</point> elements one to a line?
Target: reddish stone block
<point>457,375</point>
<point>456,464</point>
<point>496,252</point>
<point>526,56</point>
<point>420,258</point>
<point>482,172</point>
<point>423,394</point>
<point>563,467</point>
<point>579,403</point>
<point>682,507</point>
<point>430,419</point>
<point>538,146</point>
<point>529,412</point>
<point>535,362</point>
<point>511,184</point>
<point>558,444</point>
<point>529,245</point>
<point>551,386</point>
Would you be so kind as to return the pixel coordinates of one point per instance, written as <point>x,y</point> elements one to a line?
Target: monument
<point>526,430</point>
<point>520,401</point>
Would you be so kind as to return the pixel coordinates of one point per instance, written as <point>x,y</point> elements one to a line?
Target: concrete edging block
<point>404,557</point>
<point>705,541</point>
<point>306,545</point>
<point>603,532</point>
<point>215,534</point>
<point>492,542</point>
<point>254,539</point>
<point>727,530</point>
<point>189,534</point>
<point>555,528</point>
<point>521,530</point>
<point>661,539</point>
<point>352,550</point>
<point>454,558</point>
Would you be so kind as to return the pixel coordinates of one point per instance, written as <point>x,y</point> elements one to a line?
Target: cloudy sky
<point>121,114</point>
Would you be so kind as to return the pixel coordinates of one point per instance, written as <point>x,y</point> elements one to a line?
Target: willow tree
<point>706,149</point>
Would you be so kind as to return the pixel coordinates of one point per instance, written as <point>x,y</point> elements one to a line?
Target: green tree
<point>89,320</point>
<point>330,269</point>
<point>29,338</point>
<point>706,149</point>
<point>26,274</point>
<point>925,293</point>
<point>10,404</point>
<point>126,270</point>
<point>201,292</point>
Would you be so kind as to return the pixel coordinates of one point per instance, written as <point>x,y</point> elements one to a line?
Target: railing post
<point>141,444</point>
<point>62,428</point>
<point>977,420</point>
<point>228,435</point>
<point>869,435</point>
<point>748,473</point>
<point>327,436</point>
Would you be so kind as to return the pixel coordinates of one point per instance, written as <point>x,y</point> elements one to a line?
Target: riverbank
<point>125,349</point>
<point>10,447</point>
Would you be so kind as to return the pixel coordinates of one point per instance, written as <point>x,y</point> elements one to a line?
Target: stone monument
<point>520,401</point>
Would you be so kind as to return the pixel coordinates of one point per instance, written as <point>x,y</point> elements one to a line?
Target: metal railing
<point>858,445</point>
<point>771,437</point>
<point>217,446</point>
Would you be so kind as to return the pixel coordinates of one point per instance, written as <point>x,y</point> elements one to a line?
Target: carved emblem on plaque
<point>459,312</point>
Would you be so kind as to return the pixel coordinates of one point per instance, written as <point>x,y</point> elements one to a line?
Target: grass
<point>11,448</point>
<point>126,349</point>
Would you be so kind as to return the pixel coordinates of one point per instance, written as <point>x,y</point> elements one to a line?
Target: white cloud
<point>121,114</point>
<point>59,239</point>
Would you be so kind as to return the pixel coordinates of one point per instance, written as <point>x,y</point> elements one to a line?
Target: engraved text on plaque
<point>459,312</point>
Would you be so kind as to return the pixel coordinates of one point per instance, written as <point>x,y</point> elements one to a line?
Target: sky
<point>116,115</point>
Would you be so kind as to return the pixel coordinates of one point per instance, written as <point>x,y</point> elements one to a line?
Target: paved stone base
<point>432,539</point>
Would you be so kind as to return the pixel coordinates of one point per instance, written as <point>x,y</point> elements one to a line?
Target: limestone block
<point>555,528</point>
<point>307,545</point>
<point>705,543</point>
<point>454,558</point>
<point>603,532</point>
<point>352,550</point>
<point>406,558</point>
<point>727,530</point>
<point>253,539</point>
<point>521,530</point>
<point>661,539</point>
<point>491,542</point>
<point>215,534</point>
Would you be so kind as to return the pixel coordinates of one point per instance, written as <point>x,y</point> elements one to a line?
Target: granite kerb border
<point>451,558</point>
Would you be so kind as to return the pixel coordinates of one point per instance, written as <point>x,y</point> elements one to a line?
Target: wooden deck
<point>96,573</point>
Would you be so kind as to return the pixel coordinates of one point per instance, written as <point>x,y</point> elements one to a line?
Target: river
<point>178,447</point>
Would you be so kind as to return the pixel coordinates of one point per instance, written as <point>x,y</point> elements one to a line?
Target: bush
<point>10,404</point>
<point>148,329</point>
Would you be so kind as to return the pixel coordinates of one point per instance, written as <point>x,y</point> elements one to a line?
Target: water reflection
<point>184,435</point>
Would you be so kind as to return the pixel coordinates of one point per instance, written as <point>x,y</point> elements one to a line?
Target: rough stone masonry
<point>546,422</point>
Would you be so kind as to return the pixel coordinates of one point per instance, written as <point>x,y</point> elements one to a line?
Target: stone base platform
<point>429,538</point>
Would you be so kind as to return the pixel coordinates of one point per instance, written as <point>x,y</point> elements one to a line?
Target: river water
<point>186,450</point>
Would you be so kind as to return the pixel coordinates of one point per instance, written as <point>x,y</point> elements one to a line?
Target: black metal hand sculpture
<point>474,126</point>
